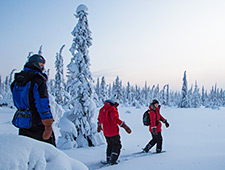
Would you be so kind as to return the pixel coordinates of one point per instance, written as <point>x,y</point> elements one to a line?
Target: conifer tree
<point>128,94</point>
<point>97,87</point>
<point>167,95</point>
<point>203,96</point>
<point>190,95</point>
<point>30,54</point>
<point>102,91</point>
<point>40,50</point>
<point>0,85</point>
<point>59,78</point>
<point>156,92</point>
<point>97,90</point>
<point>109,91</point>
<point>117,88</point>
<point>146,94</point>
<point>196,98</point>
<point>80,85</point>
<point>184,93</point>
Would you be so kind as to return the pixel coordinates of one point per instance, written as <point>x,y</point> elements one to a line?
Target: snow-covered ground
<point>195,140</point>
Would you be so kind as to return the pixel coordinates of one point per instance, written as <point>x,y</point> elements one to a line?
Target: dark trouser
<point>156,139</point>
<point>113,148</point>
<point>36,132</point>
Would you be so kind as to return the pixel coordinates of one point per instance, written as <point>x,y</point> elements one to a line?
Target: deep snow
<point>194,140</point>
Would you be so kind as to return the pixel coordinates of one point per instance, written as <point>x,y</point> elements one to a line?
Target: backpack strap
<point>156,122</point>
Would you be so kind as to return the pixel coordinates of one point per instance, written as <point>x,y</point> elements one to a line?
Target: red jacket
<point>109,118</point>
<point>155,118</point>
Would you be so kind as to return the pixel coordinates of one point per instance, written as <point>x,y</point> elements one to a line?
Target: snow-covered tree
<point>109,91</point>
<point>51,86</point>
<point>223,98</point>
<point>167,95</point>
<point>30,54</point>
<point>128,94</point>
<point>81,88</point>
<point>117,88</point>
<point>213,100</point>
<point>124,99</point>
<point>196,97</point>
<point>190,95</point>
<point>1,90</point>
<point>156,92</point>
<point>203,96</point>
<point>220,97</point>
<point>102,91</point>
<point>138,96</point>
<point>164,95</point>
<point>11,76</point>
<point>40,50</point>
<point>97,87</point>
<point>6,88</point>
<point>146,94</point>
<point>152,93</point>
<point>59,78</point>
<point>184,93</point>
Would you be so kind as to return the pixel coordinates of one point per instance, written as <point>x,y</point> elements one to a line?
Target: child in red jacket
<point>155,127</point>
<point>108,121</point>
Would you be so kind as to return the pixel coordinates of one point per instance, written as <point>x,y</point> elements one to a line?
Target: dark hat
<point>155,101</point>
<point>33,62</point>
<point>37,58</point>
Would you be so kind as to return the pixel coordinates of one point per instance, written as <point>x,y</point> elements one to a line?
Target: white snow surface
<point>22,153</point>
<point>195,140</point>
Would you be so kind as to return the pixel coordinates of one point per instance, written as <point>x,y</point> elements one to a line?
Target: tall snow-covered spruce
<point>59,78</point>
<point>184,93</point>
<point>81,128</point>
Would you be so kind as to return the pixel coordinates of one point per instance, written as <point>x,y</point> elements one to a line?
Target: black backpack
<point>146,118</point>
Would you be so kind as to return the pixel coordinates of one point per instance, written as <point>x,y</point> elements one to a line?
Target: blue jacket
<point>37,99</point>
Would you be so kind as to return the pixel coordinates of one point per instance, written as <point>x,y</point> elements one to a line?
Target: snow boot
<point>147,148</point>
<point>108,159</point>
<point>113,163</point>
<point>158,150</point>
<point>113,159</point>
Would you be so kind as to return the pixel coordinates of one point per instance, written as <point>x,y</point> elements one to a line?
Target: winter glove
<point>166,123</point>
<point>154,131</point>
<point>99,127</point>
<point>48,128</point>
<point>123,125</point>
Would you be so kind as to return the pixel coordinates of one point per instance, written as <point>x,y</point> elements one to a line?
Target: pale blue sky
<point>139,40</point>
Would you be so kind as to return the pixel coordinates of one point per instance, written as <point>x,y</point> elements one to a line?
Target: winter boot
<point>158,150</point>
<point>147,148</point>
<point>108,159</point>
<point>113,159</point>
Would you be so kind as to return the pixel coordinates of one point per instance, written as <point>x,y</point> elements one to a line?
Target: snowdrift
<point>22,153</point>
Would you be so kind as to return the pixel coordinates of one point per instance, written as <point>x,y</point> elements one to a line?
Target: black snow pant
<point>36,132</point>
<point>113,148</point>
<point>156,139</point>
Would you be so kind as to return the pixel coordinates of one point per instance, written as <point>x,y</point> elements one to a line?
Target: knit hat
<point>114,100</point>
<point>155,101</point>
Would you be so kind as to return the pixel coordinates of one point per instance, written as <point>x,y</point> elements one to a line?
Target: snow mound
<point>22,153</point>
<point>128,111</point>
<point>81,7</point>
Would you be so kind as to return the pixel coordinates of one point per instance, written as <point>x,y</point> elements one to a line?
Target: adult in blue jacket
<point>37,100</point>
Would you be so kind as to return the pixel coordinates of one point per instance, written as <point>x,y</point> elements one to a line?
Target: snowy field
<point>195,140</point>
